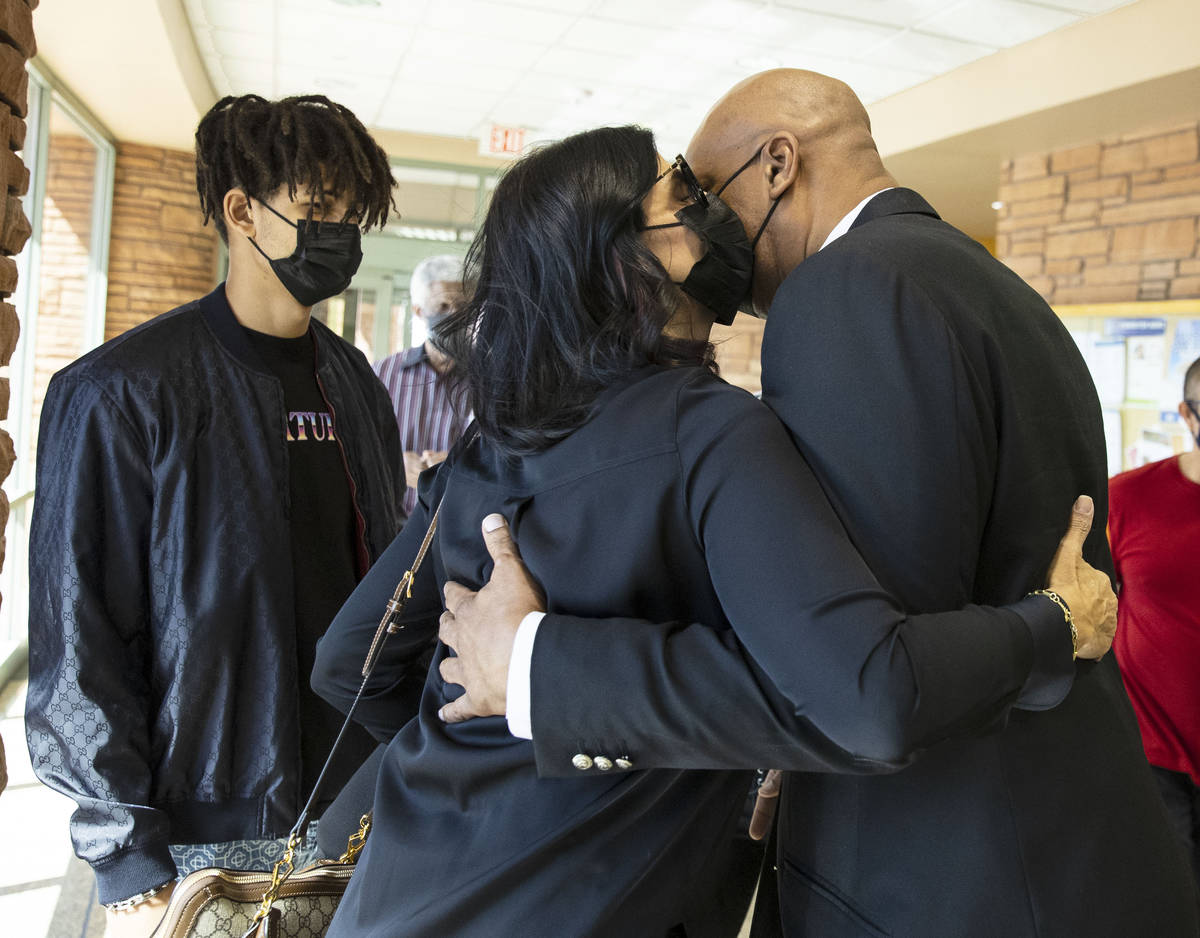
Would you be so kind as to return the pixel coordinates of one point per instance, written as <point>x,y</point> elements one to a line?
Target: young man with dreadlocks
<point>211,487</point>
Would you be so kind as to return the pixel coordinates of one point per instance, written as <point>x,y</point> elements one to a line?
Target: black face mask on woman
<point>721,280</point>
<point>326,257</point>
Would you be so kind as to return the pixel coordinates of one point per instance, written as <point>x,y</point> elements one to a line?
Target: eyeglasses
<point>695,191</point>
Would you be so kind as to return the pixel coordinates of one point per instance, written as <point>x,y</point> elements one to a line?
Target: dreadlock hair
<point>567,298</point>
<point>257,145</point>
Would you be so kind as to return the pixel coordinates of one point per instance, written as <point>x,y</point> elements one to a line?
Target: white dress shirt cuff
<point>520,671</point>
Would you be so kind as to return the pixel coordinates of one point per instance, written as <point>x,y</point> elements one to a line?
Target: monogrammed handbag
<point>285,903</point>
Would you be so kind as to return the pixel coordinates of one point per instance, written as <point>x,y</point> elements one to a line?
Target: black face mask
<point>722,279</point>
<point>327,256</point>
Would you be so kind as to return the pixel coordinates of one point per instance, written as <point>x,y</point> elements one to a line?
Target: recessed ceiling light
<point>997,205</point>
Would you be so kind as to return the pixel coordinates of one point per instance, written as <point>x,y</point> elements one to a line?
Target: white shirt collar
<point>844,225</point>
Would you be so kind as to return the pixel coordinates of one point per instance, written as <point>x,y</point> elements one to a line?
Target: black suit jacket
<point>951,421</point>
<point>642,511</point>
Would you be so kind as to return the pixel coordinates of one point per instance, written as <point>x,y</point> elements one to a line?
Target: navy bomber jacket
<point>162,669</point>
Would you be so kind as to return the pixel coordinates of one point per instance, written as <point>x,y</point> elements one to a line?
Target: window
<point>60,297</point>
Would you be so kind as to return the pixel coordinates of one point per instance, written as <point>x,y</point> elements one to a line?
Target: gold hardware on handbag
<point>282,903</point>
<point>216,903</point>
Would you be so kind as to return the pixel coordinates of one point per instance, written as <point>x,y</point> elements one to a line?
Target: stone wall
<point>1109,221</point>
<point>160,255</point>
<point>17,46</point>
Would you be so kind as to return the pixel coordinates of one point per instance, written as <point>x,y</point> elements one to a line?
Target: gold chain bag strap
<point>283,902</point>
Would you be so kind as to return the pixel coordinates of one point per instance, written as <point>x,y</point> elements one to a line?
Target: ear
<point>239,214</point>
<point>1186,413</point>
<point>781,158</point>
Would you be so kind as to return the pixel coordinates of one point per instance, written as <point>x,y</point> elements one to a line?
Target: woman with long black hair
<point>636,483</point>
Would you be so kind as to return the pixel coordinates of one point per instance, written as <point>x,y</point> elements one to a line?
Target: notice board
<point>1137,354</point>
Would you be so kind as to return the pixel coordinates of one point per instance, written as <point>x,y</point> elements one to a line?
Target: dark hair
<point>257,145</point>
<point>566,297</point>
<point>1191,381</point>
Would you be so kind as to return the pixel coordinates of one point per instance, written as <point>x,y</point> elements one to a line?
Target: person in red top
<point>1154,529</point>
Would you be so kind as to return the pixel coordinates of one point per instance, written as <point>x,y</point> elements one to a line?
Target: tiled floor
<point>45,892</point>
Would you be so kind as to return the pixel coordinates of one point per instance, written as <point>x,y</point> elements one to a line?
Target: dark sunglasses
<point>695,190</point>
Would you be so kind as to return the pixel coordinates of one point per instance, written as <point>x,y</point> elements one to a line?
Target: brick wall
<point>65,248</point>
<point>1113,220</point>
<point>16,47</point>
<point>159,255</point>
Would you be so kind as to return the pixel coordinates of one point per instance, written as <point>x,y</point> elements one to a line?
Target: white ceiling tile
<point>654,72</point>
<point>533,85</point>
<point>890,12</point>
<point>388,11</point>
<point>526,111</point>
<point>924,52</point>
<point>347,61</point>
<point>327,35</point>
<point>239,45</point>
<point>612,37</point>
<point>673,14</point>
<point>1090,7</point>
<point>582,66</point>
<point>498,20</point>
<point>823,35</point>
<point>453,46</point>
<point>253,17</point>
<point>247,76</point>
<point>433,95</point>
<point>459,73</point>
<point>1001,23</point>
<point>361,96</point>
<point>448,66</point>
<point>558,6</point>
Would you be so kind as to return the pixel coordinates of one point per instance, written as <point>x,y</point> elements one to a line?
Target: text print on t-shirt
<point>305,426</point>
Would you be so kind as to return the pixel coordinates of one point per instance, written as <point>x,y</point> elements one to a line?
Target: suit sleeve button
<point>624,764</point>
<point>581,761</point>
<point>603,763</point>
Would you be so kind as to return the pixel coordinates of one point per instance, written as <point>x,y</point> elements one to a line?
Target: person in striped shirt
<point>416,378</point>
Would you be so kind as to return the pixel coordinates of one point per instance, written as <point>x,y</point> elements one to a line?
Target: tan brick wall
<point>16,47</point>
<point>160,255</point>
<point>65,246</point>
<point>1109,221</point>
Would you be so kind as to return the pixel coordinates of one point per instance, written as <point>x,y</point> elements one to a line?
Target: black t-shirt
<point>323,536</point>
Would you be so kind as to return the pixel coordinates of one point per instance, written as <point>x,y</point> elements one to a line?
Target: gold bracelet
<point>1066,611</point>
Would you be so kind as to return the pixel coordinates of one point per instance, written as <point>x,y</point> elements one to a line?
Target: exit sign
<point>498,140</point>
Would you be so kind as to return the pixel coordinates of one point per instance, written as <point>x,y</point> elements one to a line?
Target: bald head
<point>815,157</point>
<point>818,109</point>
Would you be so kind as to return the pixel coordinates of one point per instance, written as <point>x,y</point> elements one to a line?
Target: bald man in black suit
<point>949,418</point>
